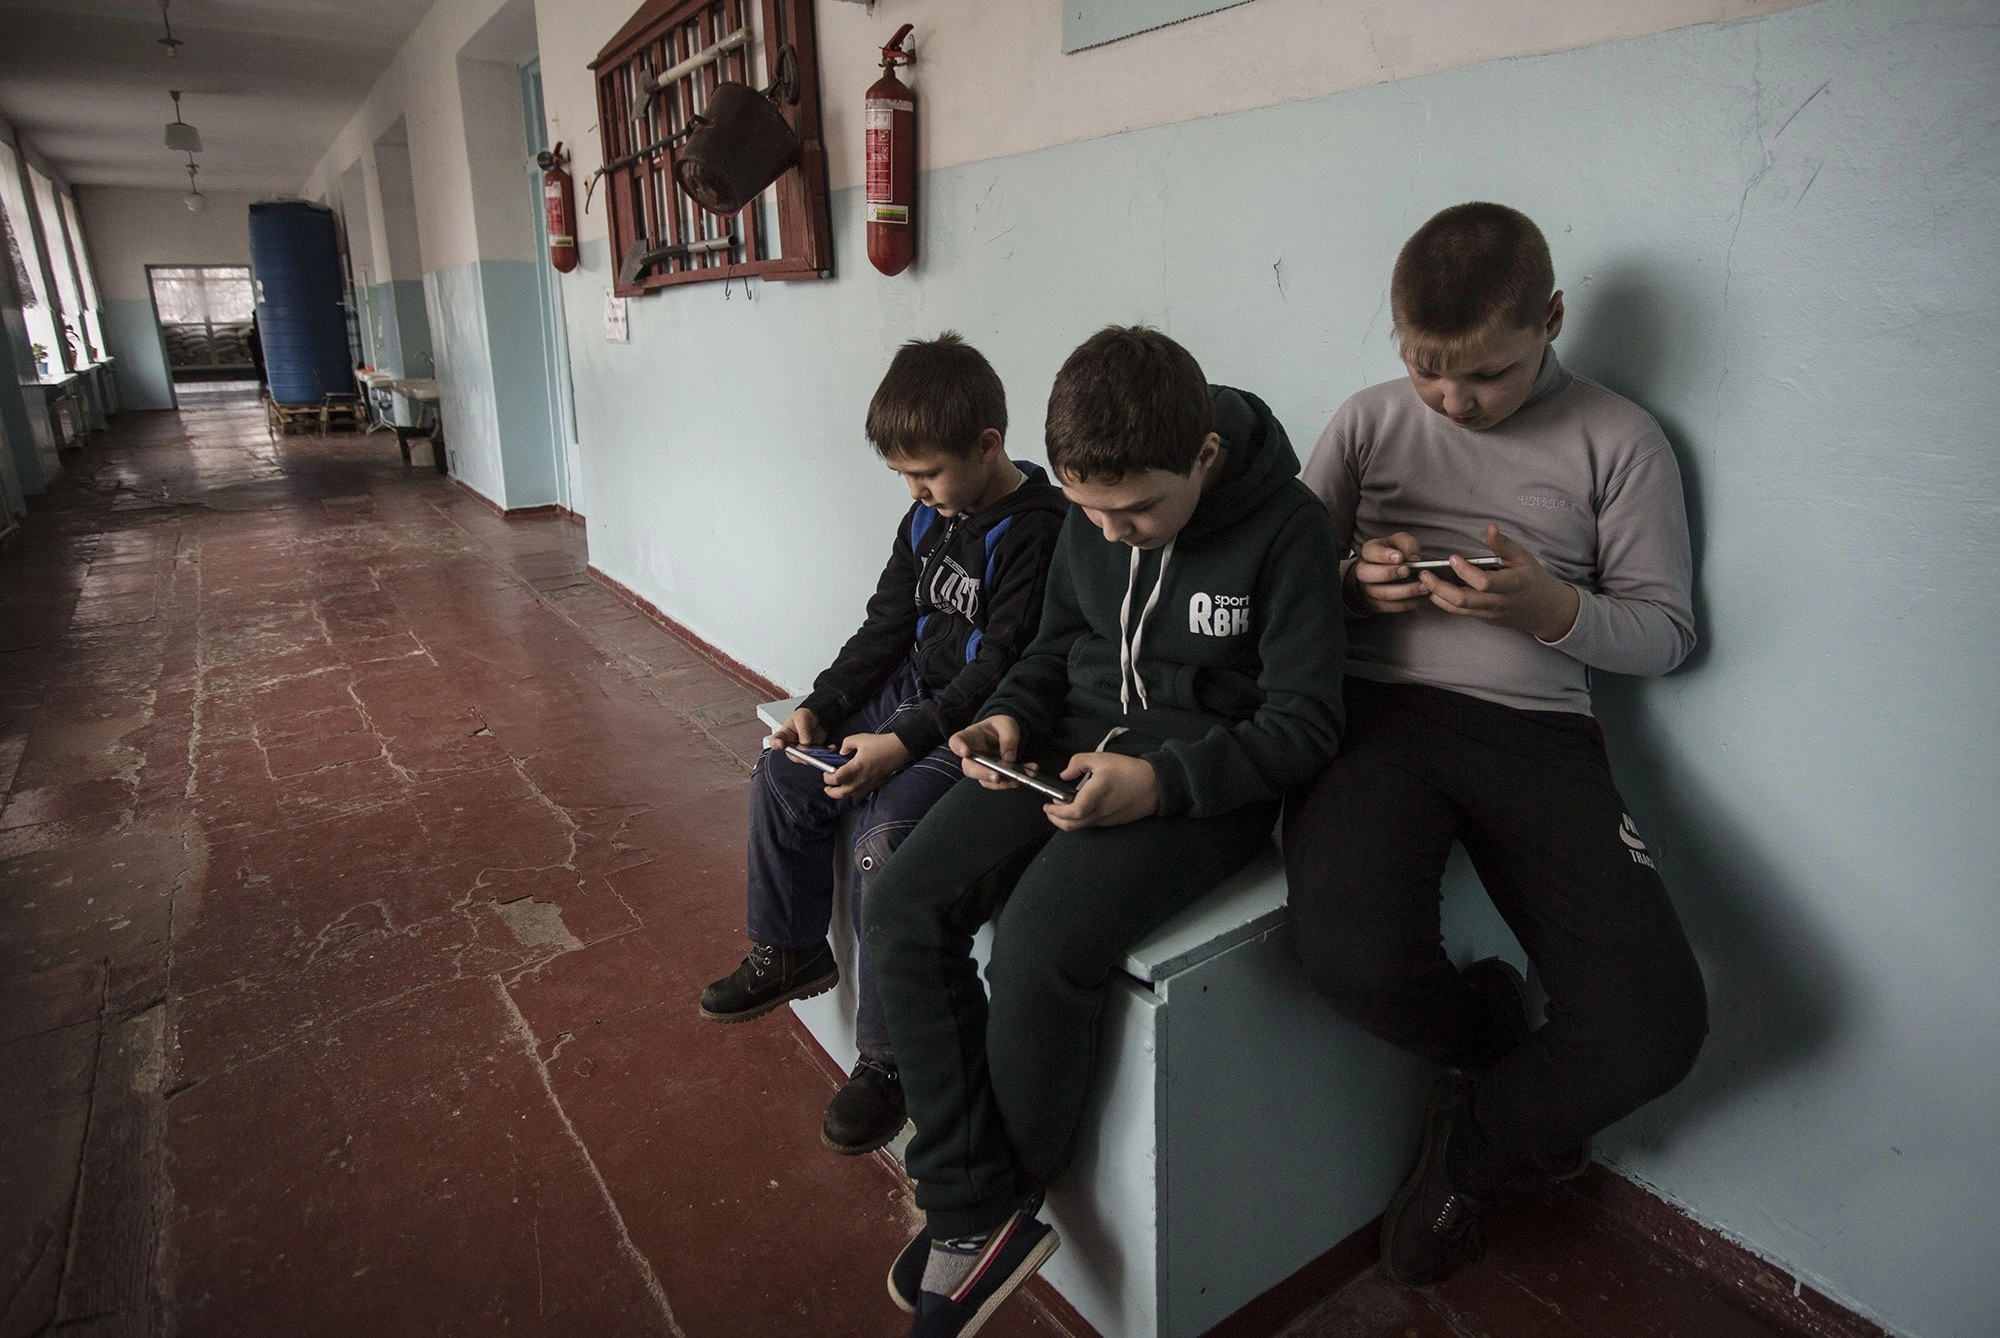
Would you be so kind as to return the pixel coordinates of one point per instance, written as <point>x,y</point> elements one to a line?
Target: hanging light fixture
<point>194,199</point>
<point>182,137</point>
<point>172,43</point>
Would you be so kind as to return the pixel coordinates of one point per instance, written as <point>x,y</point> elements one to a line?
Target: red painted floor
<point>360,863</point>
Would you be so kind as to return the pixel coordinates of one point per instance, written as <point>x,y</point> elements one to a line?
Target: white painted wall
<point>397,253</point>
<point>993,79</point>
<point>131,227</point>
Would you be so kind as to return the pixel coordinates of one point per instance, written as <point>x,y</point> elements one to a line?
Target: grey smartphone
<point>1058,790</point>
<point>1442,568</point>
<point>826,759</point>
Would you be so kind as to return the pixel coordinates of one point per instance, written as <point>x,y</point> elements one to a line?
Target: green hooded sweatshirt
<point>1216,657</point>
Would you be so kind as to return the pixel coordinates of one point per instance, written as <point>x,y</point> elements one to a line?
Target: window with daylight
<point>79,254</point>
<point>204,313</point>
<point>23,253</point>
<point>68,303</point>
<point>655,80</point>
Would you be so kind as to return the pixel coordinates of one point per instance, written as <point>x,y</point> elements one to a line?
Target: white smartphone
<point>1055,789</point>
<point>1443,570</point>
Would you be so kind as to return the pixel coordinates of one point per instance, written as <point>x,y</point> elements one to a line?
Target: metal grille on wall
<point>655,82</point>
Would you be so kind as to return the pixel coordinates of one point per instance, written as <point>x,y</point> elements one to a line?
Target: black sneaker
<point>1430,1228</point>
<point>1012,1253</point>
<point>1504,996</point>
<point>867,1112</point>
<point>770,976</point>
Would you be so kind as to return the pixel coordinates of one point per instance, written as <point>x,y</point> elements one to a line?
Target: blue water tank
<point>295,259</point>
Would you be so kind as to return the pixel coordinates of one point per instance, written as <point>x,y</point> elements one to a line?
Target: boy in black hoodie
<point>958,602</point>
<point>1187,673</point>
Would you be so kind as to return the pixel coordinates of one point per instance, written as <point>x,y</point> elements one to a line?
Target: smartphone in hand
<point>1442,568</point>
<point>1058,790</point>
<point>828,760</point>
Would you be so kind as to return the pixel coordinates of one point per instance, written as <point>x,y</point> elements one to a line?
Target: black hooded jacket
<point>1216,658</point>
<point>960,598</point>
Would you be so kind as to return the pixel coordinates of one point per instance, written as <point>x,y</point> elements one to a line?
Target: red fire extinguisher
<point>891,127</point>
<point>559,201</point>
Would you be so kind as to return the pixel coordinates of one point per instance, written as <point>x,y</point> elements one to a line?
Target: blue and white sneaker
<point>1017,1247</point>
<point>906,1275</point>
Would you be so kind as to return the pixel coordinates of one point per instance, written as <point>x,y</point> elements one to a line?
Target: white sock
<point>950,1261</point>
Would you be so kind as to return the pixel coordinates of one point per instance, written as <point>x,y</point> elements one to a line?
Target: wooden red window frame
<point>661,34</point>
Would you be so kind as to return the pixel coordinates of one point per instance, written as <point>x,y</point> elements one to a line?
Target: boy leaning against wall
<point>1186,675</point>
<point>958,602</point>
<point>1468,699</point>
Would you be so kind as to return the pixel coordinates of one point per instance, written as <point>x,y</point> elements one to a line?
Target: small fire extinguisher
<point>891,127</point>
<point>559,201</point>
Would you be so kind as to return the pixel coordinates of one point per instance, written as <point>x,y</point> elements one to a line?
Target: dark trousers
<point>1530,795</point>
<point>997,1088</point>
<point>792,829</point>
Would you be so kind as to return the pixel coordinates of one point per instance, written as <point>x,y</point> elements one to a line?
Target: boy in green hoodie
<point>1187,673</point>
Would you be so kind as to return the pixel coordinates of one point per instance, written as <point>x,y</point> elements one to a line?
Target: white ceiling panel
<point>269,83</point>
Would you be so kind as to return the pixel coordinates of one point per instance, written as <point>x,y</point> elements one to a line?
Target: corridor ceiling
<point>269,83</point>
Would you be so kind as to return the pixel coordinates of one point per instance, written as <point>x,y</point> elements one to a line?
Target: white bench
<point>1240,1128</point>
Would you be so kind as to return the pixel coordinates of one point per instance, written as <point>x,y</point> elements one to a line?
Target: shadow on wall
<point>1779,991</point>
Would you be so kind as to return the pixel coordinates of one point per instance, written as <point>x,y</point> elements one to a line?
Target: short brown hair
<point>1473,269</point>
<point>1127,400</point>
<point>938,395</point>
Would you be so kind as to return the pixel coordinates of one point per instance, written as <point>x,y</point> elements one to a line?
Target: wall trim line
<point>727,663</point>
<point>519,512</point>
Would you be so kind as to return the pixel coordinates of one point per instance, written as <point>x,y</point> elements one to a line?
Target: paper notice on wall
<point>616,329</point>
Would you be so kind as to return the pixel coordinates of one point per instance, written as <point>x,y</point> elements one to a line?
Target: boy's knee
<point>1343,969</point>
<point>872,850</point>
<point>1680,1025</point>
<point>1659,1036</point>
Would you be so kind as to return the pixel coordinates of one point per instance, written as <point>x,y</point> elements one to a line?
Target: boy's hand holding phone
<point>1111,790</point>
<point>995,736</point>
<point>1380,580</point>
<point>800,730</point>
<point>1521,594</point>
<point>874,759</point>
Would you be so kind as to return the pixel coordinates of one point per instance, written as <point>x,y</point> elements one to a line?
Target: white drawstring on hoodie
<point>1129,636</point>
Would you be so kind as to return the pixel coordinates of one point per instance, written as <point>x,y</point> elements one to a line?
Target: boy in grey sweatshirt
<point>1468,703</point>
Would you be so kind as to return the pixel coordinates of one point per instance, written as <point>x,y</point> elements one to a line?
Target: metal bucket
<point>746,145</point>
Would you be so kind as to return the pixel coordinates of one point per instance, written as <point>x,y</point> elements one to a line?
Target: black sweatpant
<point>997,1088</point>
<point>1530,795</point>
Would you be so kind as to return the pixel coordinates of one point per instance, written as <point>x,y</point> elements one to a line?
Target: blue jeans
<point>792,829</point>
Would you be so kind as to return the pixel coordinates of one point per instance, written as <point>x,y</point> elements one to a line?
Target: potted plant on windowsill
<point>41,360</point>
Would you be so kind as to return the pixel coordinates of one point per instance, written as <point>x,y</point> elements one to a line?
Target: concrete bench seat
<point>1240,1128</point>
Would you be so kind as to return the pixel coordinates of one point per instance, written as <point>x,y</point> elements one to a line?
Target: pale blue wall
<point>517,340</point>
<point>486,327</point>
<point>132,334</point>
<point>1776,234</point>
<point>400,333</point>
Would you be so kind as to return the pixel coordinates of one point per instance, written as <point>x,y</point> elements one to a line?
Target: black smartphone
<point>828,760</point>
<point>1060,791</point>
<point>1442,568</point>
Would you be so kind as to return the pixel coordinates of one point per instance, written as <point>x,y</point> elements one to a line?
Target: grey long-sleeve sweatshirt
<point>1579,476</point>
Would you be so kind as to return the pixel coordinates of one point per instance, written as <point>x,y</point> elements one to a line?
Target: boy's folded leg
<point>951,875</point>
<point>1366,844</point>
<point>788,888</point>
<point>1076,911</point>
<point>1628,1009</point>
